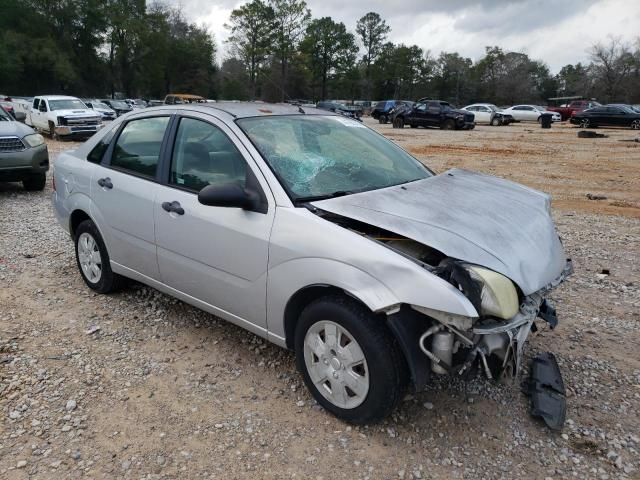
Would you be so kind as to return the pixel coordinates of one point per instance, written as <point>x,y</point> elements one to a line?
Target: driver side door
<point>215,255</point>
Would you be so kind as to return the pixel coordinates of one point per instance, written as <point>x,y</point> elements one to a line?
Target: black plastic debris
<point>547,312</point>
<point>546,391</point>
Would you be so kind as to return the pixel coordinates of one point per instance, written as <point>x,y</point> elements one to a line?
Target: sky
<point>558,32</point>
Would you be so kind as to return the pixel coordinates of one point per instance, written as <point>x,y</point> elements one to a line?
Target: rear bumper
<point>14,166</point>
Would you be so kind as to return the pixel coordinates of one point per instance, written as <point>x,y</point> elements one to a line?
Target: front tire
<point>35,182</point>
<point>350,361</point>
<point>448,125</point>
<point>93,260</point>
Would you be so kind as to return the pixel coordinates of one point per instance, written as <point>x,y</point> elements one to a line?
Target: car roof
<point>251,109</point>
<point>58,97</point>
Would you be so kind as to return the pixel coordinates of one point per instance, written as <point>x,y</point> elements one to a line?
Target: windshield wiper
<point>315,198</point>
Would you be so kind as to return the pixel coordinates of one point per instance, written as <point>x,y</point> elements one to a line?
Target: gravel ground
<point>139,385</point>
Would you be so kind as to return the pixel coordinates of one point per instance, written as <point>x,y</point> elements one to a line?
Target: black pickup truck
<point>434,113</point>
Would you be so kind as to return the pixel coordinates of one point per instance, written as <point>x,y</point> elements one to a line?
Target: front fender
<point>289,277</point>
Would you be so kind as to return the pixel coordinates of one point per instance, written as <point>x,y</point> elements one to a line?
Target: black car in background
<point>120,106</point>
<point>612,115</point>
<point>434,113</point>
<point>383,111</point>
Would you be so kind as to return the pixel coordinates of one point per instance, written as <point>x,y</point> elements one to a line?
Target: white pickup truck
<point>62,116</point>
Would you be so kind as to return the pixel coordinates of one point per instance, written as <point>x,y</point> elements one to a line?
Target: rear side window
<point>137,149</point>
<point>95,156</point>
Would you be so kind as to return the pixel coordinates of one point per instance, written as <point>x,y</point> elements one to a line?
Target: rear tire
<point>350,361</point>
<point>635,125</point>
<point>383,119</point>
<point>92,259</point>
<point>35,182</point>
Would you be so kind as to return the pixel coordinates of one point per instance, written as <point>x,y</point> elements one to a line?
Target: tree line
<point>276,51</point>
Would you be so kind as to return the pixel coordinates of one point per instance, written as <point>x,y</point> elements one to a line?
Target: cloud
<point>557,32</point>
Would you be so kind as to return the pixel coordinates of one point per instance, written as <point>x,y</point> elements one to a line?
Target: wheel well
<point>77,217</point>
<point>300,300</point>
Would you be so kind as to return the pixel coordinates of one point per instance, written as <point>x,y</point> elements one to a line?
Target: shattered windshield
<point>326,156</point>
<point>66,104</point>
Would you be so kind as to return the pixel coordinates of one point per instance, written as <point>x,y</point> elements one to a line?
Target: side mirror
<point>229,195</point>
<point>20,116</point>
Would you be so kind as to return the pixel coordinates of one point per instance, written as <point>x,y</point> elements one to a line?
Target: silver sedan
<point>316,233</point>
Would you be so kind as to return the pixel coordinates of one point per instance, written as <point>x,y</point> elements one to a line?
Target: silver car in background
<point>316,233</point>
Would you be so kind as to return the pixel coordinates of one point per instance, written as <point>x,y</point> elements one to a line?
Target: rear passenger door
<point>123,189</point>
<point>217,255</point>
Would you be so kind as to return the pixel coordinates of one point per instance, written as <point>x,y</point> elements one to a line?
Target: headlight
<point>34,140</point>
<point>499,295</point>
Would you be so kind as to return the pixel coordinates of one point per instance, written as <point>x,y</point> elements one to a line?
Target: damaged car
<point>313,231</point>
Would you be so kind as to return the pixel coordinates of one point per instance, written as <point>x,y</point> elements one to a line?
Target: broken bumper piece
<point>546,391</point>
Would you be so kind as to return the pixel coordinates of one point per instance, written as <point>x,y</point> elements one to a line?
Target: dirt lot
<point>138,385</point>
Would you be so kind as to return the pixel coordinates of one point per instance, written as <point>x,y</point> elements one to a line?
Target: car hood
<point>76,112</point>
<point>104,110</point>
<point>16,129</point>
<point>477,218</point>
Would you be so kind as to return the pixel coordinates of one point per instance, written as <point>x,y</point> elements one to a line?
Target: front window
<point>71,104</point>
<point>203,155</point>
<point>100,105</point>
<point>319,157</point>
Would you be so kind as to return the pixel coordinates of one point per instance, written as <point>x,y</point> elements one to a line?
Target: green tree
<point>251,27</point>
<point>290,21</point>
<point>330,50</point>
<point>373,31</point>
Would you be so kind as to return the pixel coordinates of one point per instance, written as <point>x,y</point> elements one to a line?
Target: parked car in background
<point>607,116</point>
<point>383,111</point>
<point>488,113</point>
<point>530,113</point>
<point>23,153</point>
<point>136,103</point>
<point>180,98</point>
<point>8,107</point>
<point>635,108</point>
<point>567,111</point>
<point>108,114</point>
<point>63,116</point>
<point>119,106</point>
<point>322,236</point>
<point>155,103</point>
<point>351,111</point>
<point>434,113</point>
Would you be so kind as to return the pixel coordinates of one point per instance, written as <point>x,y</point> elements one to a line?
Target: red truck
<point>567,111</point>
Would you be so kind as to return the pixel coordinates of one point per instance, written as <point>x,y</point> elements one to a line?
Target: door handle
<point>173,207</point>
<point>105,183</point>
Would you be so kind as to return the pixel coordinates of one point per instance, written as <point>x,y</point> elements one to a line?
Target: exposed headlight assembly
<point>34,140</point>
<point>499,295</point>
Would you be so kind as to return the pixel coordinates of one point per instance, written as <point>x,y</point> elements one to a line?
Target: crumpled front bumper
<point>503,339</point>
<point>518,328</point>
